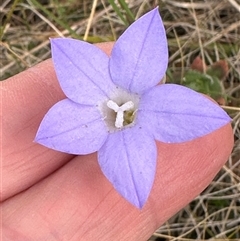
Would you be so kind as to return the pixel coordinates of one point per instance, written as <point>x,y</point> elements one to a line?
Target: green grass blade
<point>127,10</point>
<point>117,10</point>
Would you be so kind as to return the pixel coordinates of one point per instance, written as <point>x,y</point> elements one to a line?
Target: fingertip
<point>184,170</point>
<point>106,47</point>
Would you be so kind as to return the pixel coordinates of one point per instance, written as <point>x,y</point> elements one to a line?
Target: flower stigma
<point>124,112</point>
<point>119,110</point>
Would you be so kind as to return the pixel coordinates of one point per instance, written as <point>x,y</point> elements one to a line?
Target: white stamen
<point>120,111</point>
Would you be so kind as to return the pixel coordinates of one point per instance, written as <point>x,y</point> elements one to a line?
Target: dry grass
<point>209,28</point>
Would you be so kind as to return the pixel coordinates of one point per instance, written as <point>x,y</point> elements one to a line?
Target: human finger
<point>78,203</point>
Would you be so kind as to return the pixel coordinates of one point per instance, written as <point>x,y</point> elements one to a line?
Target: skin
<point>48,195</point>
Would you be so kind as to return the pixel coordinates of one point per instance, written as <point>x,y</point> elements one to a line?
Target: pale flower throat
<point>120,110</point>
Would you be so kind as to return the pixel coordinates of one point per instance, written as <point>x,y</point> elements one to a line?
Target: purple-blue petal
<point>82,70</point>
<point>140,56</point>
<point>174,113</point>
<point>72,128</point>
<point>128,160</point>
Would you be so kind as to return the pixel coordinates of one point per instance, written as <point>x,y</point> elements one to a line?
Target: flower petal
<point>82,70</point>
<point>72,128</point>
<point>176,114</point>
<point>128,160</point>
<point>140,56</point>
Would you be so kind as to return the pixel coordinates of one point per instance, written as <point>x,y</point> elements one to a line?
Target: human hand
<point>48,195</point>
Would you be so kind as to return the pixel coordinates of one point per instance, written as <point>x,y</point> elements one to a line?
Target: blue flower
<point>114,106</point>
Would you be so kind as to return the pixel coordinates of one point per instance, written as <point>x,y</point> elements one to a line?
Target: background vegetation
<point>204,46</point>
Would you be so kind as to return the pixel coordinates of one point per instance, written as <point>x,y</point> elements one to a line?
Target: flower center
<point>124,113</point>
<point>120,110</point>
